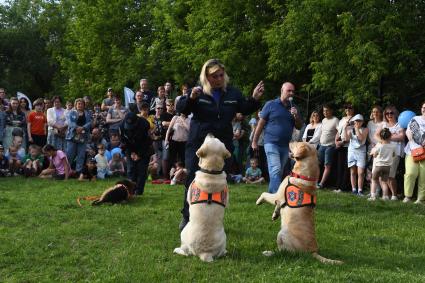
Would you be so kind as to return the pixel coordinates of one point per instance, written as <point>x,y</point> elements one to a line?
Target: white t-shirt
<point>372,126</point>
<point>385,154</point>
<point>329,131</point>
<point>341,130</point>
<point>416,127</point>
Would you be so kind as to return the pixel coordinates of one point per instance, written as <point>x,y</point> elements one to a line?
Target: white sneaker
<point>385,198</point>
<point>173,182</point>
<point>407,199</point>
<point>394,198</point>
<point>337,191</point>
<point>419,202</point>
<point>371,199</point>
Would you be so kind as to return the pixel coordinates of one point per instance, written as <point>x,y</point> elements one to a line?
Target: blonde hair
<point>212,66</point>
<point>311,116</point>
<point>79,100</point>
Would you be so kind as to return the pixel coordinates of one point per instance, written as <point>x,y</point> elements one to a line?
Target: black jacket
<point>208,117</point>
<point>135,135</point>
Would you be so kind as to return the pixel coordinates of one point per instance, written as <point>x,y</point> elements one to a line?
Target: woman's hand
<point>258,91</point>
<point>196,91</point>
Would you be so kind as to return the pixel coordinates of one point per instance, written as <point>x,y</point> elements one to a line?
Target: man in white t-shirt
<point>327,142</point>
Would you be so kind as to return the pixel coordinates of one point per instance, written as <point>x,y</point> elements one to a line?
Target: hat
<point>130,121</point>
<point>109,88</point>
<point>357,117</point>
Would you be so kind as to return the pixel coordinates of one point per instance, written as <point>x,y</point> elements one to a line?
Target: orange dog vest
<point>295,197</point>
<point>199,196</point>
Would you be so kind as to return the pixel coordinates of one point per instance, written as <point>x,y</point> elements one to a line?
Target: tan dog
<point>204,235</point>
<point>296,205</point>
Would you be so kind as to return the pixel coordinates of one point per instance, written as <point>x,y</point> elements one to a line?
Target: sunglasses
<point>389,113</point>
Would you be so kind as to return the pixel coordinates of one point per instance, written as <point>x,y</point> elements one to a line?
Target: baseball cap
<point>357,117</point>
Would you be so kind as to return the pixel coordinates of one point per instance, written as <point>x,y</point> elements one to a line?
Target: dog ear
<point>301,150</point>
<point>201,152</point>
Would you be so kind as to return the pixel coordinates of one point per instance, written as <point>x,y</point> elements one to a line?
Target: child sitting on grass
<point>33,161</point>
<point>59,168</point>
<point>102,162</point>
<point>14,161</point>
<point>89,171</point>
<point>4,164</point>
<point>178,174</point>
<point>253,174</point>
<point>116,165</point>
<point>384,153</point>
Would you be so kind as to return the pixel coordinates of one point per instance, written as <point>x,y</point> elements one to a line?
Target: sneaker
<point>15,174</point>
<point>183,223</point>
<point>407,199</point>
<point>354,192</point>
<point>419,202</point>
<point>385,198</point>
<point>371,199</point>
<point>337,191</point>
<point>173,182</point>
<point>360,194</point>
<point>319,186</point>
<point>394,198</point>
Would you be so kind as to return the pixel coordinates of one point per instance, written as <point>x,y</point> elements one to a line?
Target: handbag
<point>418,154</point>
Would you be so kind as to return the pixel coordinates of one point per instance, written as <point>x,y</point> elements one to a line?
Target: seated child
<point>116,165</point>
<point>178,174</point>
<point>153,169</point>
<point>102,162</point>
<point>33,161</point>
<point>384,153</point>
<point>59,167</point>
<point>4,164</point>
<point>14,161</point>
<point>89,171</point>
<point>17,141</point>
<point>253,174</point>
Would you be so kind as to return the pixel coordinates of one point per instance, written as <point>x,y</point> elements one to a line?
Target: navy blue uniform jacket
<point>208,117</point>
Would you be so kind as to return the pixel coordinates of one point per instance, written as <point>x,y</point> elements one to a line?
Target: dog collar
<point>211,171</point>
<point>307,178</point>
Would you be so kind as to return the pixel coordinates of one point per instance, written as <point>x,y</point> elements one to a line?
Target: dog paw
<point>206,257</point>
<point>180,251</point>
<point>275,215</point>
<point>259,201</point>
<point>268,253</point>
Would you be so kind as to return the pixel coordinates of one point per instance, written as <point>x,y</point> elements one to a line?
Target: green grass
<point>46,237</point>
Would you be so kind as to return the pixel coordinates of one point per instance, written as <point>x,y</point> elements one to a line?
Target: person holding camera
<point>356,159</point>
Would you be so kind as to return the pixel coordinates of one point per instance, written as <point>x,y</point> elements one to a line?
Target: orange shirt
<point>38,122</point>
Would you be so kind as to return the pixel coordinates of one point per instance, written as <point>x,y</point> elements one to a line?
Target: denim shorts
<point>326,153</point>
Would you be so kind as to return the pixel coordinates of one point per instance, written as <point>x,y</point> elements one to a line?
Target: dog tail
<point>326,260</point>
<point>94,198</point>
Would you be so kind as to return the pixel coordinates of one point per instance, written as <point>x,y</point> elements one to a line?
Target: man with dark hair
<point>136,141</point>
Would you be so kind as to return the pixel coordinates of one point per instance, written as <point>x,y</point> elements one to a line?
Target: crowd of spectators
<point>61,140</point>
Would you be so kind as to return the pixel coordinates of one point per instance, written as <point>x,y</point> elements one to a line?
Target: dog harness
<point>199,196</point>
<point>295,197</point>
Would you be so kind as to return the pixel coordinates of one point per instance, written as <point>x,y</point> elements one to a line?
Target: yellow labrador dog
<point>208,195</point>
<point>295,201</point>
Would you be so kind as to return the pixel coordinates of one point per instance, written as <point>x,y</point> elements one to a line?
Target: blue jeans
<point>76,149</point>
<point>277,156</point>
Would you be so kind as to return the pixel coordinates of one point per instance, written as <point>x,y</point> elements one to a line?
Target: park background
<point>363,52</point>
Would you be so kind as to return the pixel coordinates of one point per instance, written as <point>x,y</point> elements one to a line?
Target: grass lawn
<point>46,237</point>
